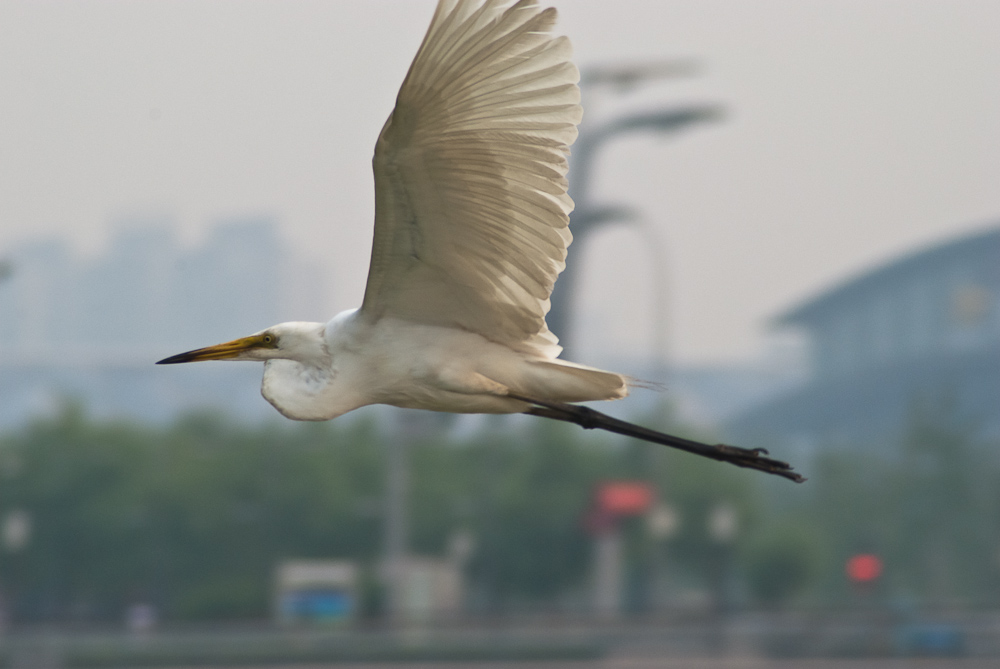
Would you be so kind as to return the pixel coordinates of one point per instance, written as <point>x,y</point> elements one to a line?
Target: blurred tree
<point>781,561</point>
<point>948,518</point>
<point>531,497</point>
<point>929,510</point>
<point>194,516</point>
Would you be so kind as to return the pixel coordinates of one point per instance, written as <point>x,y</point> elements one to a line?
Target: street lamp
<point>625,76</point>
<point>588,216</point>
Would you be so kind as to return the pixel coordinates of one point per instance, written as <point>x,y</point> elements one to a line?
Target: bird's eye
<point>268,339</point>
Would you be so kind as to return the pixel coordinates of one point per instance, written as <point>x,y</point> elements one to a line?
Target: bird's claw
<point>755,459</point>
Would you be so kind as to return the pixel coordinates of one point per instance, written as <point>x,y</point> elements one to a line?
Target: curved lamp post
<point>588,216</point>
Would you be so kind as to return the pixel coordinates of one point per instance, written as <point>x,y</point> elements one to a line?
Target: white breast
<point>304,392</point>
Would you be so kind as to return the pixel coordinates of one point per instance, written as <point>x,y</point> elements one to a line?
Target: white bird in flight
<point>471,231</point>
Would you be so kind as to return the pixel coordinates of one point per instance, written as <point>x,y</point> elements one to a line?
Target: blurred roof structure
<point>919,331</point>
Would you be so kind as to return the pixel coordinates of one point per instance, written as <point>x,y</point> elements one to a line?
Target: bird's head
<point>304,342</point>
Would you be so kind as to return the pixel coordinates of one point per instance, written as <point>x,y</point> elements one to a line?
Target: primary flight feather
<point>471,231</point>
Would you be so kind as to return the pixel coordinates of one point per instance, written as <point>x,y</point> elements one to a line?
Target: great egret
<point>471,231</point>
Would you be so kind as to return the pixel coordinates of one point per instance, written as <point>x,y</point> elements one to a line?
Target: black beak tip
<point>174,359</point>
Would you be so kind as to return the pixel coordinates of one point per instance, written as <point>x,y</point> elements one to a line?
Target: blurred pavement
<point>679,663</point>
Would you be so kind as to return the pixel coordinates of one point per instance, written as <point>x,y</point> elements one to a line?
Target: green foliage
<point>781,561</point>
<point>531,502</point>
<point>926,505</point>
<point>196,515</point>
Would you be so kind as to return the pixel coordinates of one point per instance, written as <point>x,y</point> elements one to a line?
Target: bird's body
<point>413,365</point>
<point>471,231</point>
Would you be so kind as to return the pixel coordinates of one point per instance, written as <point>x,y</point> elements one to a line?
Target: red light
<point>624,498</point>
<point>864,568</point>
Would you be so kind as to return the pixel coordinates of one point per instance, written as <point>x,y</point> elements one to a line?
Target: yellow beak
<point>230,349</point>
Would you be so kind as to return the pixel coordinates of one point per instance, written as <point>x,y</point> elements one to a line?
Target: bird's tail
<point>574,383</point>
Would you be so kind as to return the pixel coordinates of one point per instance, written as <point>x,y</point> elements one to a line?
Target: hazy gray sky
<point>856,130</point>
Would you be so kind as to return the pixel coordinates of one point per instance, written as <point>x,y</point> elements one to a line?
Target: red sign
<point>624,498</point>
<point>864,568</point>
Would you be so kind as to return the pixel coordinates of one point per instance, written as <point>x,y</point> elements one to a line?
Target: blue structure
<point>317,605</point>
<point>920,333</point>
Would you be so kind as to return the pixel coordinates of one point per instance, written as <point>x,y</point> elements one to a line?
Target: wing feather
<point>471,210</point>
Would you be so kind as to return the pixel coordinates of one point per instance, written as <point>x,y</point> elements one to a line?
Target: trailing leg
<point>590,419</point>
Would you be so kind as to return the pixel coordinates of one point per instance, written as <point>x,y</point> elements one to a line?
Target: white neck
<point>303,376</point>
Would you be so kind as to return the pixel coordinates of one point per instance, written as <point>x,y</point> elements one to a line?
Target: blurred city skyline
<point>146,292</point>
<point>854,132</point>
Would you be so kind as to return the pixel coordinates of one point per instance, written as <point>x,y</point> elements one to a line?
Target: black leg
<point>589,419</point>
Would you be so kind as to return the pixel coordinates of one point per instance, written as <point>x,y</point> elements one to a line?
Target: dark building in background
<point>921,333</point>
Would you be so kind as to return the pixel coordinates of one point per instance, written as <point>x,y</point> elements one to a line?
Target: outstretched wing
<point>471,210</point>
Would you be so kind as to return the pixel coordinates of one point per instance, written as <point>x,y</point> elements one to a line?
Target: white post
<point>608,573</point>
